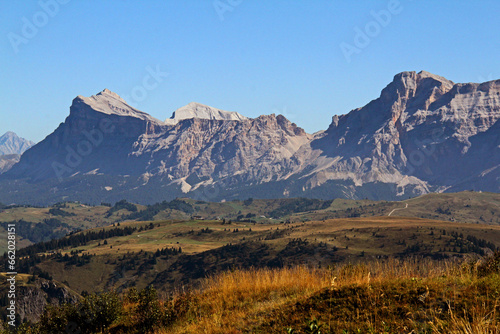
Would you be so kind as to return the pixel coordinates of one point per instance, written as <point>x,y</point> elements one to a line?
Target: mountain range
<point>423,134</point>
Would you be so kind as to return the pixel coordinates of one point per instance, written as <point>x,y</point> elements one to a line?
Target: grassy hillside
<point>58,220</point>
<point>381,296</point>
<point>76,215</point>
<point>289,250</point>
<point>465,207</point>
<point>169,254</point>
<point>40,224</point>
<point>374,297</point>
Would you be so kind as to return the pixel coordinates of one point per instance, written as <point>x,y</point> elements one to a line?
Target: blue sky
<point>254,57</point>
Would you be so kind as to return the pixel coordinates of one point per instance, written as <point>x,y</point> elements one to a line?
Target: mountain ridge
<point>424,133</point>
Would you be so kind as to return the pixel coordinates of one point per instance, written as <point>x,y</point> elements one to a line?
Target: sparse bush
<point>97,312</point>
<point>61,213</point>
<point>490,265</point>
<point>93,314</point>
<point>248,201</point>
<point>56,319</point>
<point>150,313</point>
<point>120,205</point>
<point>132,296</point>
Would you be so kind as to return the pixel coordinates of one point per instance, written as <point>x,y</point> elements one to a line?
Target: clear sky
<point>308,60</point>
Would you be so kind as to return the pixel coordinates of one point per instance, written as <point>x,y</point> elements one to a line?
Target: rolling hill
<point>37,224</point>
<point>185,242</point>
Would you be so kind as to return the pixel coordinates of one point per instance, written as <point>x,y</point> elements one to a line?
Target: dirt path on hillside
<point>390,213</point>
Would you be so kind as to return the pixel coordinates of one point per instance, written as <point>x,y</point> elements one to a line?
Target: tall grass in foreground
<point>389,296</point>
<point>392,296</point>
<point>241,298</point>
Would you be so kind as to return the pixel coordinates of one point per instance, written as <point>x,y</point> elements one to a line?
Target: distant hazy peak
<point>11,143</point>
<point>110,103</point>
<point>198,110</point>
<point>9,134</point>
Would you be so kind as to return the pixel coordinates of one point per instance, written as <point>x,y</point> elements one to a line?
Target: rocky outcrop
<point>7,161</point>
<point>31,300</point>
<point>103,135</point>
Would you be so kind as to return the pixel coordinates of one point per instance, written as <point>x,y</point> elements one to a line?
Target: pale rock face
<point>201,144</point>
<point>209,149</point>
<point>11,148</point>
<point>7,161</point>
<point>200,111</point>
<point>10,143</point>
<point>110,103</point>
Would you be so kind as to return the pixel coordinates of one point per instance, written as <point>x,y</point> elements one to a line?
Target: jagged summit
<point>411,80</point>
<point>111,94</point>
<point>110,103</point>
<point>421,75</point>
<point>10,134</point>
<point>198,110</point>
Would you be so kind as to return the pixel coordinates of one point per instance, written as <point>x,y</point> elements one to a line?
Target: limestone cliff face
<point>103,135</point>
<point>417,134</point>
<point>98,134</point>
<point>198,110</point>
<point>31,300</point>
<point>200,151</point>
<point>424,133</point>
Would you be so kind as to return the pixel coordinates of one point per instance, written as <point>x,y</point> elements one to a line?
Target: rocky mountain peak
<point>198,110</point>
<point>425,74</point>
<point>422,85</point>
<point>11,143</point>
<point>109,103</point>
<point>111,94</point>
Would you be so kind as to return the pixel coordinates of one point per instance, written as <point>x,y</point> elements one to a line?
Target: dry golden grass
<point>478,320</point>
<point>239,298</point>
<point>386,296</point>
<point>247,301</point>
